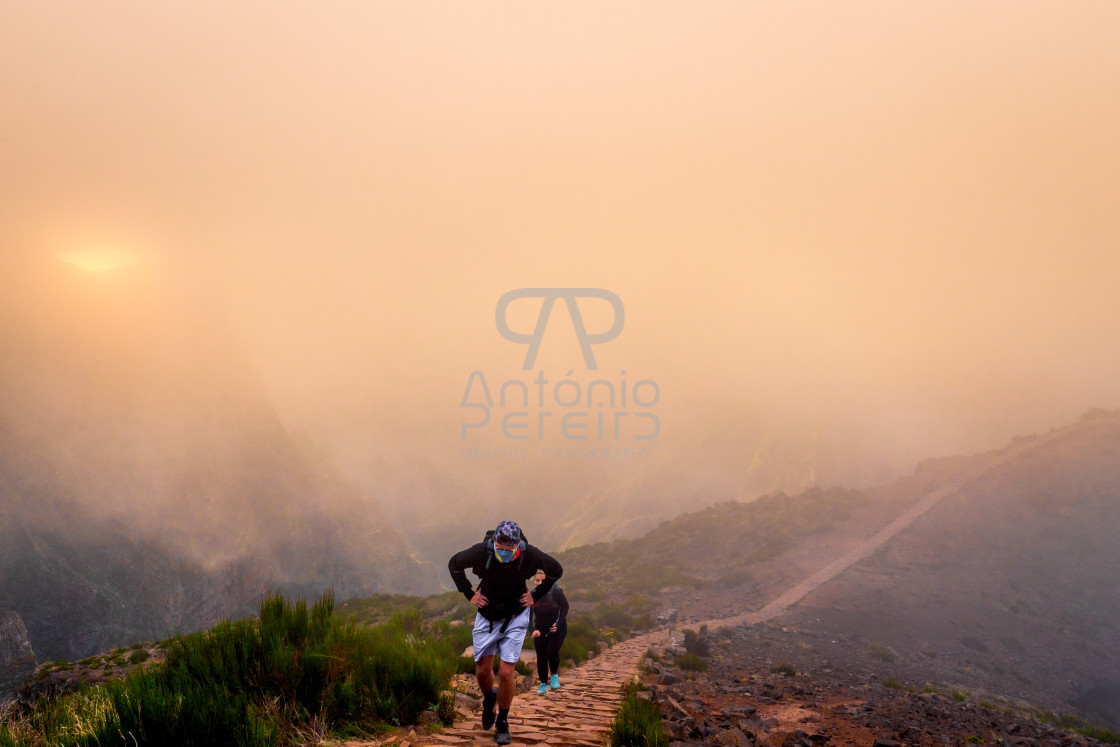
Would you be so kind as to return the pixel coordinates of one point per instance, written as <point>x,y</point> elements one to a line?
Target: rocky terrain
<point>1006,586</point>
<point>17,659</point>
<point>769,685</point>
<point>1009,586</point>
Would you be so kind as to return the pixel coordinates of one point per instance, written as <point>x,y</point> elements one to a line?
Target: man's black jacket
<point>503,583</point>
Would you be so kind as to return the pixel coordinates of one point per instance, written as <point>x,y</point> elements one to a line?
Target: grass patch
<point>380,608</point>
<point>1081,726</point>
<point>690,663</point>
<point>638,723</point>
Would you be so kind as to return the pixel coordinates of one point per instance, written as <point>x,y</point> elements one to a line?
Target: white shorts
<point>488,642</point>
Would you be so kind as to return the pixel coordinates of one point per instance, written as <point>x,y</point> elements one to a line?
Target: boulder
<point>17,660</point>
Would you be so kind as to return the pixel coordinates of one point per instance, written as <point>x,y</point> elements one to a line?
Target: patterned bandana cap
<point>508,533</point>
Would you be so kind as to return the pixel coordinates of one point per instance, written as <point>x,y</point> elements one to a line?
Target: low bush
<point>697,643</point>
<point>255,683</point>
<point>583,638</point>
<point>883,653</point>
<point>638,724</point>
<point>690,663</point>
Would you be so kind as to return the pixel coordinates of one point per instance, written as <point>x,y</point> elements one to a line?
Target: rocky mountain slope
<point>1011,585</point>
<point>1007,587</point>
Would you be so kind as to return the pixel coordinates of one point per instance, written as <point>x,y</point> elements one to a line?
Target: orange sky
<point>897,218</point>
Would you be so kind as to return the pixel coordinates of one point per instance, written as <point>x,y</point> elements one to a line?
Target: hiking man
<point>502,561</point>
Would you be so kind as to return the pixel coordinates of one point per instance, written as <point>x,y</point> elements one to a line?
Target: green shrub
<point>784,668</point>
<point>882,653</point>
<point>638,724</point>
<point>697,643</point>
<point>1081,726</point>
<point>690,663</point>
<point>445,708</point>
<point>250,682</point>
<point>457,636</point>
<point>631,687</point>
<point>583,638</point>
<point>636,613</point>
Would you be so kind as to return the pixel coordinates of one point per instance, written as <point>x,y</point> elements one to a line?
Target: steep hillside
<point>146,485</point>
<point>1012,585</point>
<point>1009,586</point>
<point>736,556</point>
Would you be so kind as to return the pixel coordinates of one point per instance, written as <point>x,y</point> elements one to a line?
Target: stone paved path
<point>580,713</point>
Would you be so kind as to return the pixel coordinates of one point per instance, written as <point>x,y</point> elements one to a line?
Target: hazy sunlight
<point>96,260</point>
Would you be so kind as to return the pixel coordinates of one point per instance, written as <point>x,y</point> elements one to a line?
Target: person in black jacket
<point>502,562</point>
<point>550,625</point>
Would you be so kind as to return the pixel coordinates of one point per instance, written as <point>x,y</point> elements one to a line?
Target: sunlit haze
<point>96,260</point>
<point>847,237</point>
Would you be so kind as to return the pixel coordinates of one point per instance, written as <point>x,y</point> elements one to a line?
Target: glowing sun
<point>97,260</point>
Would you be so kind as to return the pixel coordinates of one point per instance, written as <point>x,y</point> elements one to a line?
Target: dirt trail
<point>580,713</point>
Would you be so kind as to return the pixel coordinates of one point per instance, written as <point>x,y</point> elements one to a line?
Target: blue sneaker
<point>554,682</point>
<point>542,689</point>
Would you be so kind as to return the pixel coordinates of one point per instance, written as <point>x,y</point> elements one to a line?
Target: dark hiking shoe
<point>488,714</point>
<point>503,736</point>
